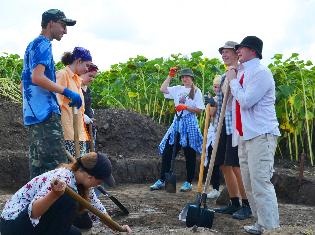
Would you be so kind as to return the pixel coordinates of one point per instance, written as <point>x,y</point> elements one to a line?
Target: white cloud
<point>116,30</point>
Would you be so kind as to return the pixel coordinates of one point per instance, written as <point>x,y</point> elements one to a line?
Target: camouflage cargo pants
<point>46,146</point>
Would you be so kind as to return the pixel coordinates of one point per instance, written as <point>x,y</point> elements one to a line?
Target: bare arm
<point>40,79</point>
<point>41,205</point>
<point>165,84</point>
<point>194,110</point>
<point>225,86</point>
<point>213,111</point>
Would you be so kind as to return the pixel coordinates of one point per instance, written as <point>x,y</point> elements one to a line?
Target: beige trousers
<point>256,161</point>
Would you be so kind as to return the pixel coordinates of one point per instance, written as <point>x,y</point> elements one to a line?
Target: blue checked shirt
<point>228,112</point>
<point>188,127</point>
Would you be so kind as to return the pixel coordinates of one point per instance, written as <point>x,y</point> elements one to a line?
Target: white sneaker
<point>253,229</point>
<point>213,194</point>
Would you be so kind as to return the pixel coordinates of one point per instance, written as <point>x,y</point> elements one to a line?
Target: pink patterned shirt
<point>37,188</point>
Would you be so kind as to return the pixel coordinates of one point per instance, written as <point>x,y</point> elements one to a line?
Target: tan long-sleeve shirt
<point>72,81</point>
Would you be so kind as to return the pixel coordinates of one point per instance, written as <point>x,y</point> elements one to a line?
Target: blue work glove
<point>74,97</point>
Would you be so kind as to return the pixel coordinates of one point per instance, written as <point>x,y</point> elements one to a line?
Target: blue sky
<point>115,30</point>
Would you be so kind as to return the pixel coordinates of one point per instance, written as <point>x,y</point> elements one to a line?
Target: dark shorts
<point>220,156</point>
<point>226,154</point>
<point>231,154</point>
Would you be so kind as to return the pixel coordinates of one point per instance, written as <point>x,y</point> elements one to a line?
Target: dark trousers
<point>56,221</point>
<point>190,156</point>
<point>216,173</point>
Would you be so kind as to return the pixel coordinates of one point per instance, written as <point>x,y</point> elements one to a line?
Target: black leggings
<point>190,156</point>
<point>216,173</point>
<point>56,221</point>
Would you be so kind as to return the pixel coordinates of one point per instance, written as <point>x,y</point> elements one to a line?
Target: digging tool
<point>170,177</point>
<point>183,214</point>
<point>102,190</point>
<point>106,219</point>
<point>200,215</point>
<point>114,199</point>
<point>76,132</point>
<point>70,157</point>
<point>91,137</point>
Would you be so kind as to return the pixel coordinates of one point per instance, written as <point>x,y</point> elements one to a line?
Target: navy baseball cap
<point>56,15</point>
<point>102,168</point>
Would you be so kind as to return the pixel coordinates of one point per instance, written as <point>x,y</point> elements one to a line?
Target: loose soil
<point>131,141</point>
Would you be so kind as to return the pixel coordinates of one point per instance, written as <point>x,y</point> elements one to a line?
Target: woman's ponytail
<point>192,91</point>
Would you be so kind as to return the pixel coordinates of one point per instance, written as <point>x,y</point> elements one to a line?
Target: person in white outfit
<point>216,174</point>
<point>256,131</point>
<point>227,155</point>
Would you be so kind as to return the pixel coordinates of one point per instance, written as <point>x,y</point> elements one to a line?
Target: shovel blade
<point>121,206</point>
<point>170,182</point>
<point>201,217</point>
<point>183,214</point>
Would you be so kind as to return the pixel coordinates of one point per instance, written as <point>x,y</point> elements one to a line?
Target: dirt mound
<point>127,133</point>
<point>12,131</point>
<point>130,139</point>
<point>120,132</point>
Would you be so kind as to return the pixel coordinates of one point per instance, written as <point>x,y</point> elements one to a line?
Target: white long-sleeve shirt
<point>256,99</point>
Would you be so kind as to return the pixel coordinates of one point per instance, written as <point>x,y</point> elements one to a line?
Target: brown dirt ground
<point>131,140</point>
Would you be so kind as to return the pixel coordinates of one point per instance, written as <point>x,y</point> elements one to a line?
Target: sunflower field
<point>135,85</point>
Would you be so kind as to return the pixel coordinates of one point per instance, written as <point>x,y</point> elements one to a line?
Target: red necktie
<point>238,113</point>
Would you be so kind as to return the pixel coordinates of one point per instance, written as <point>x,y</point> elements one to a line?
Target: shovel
<point>102,190</point>
<point>106,219</point>
<point>114,199</point>
<point>183,214</point>
<point>76,132</point>
<point>91,137</point>
<point>200,215</point>
<point>170,177</point>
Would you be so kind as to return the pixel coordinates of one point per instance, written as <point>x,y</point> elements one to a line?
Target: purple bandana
<point>81,53</point>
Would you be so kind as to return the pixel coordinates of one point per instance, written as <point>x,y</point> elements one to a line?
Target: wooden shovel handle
<point>70,157</point>
<point>76,132</point>
<point>106,219</point>
<point>204,147</point>
<point>91,137</point>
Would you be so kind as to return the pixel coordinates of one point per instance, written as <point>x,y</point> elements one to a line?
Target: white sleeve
<point>256,88</point>
<point>44,188</point>
<point>172,91</point>
<point>199,100</point>
<point>97,204</point>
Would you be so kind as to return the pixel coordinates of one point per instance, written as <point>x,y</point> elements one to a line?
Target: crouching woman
<point>42,207</point>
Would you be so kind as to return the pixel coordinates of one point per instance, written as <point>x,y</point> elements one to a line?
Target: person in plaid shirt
<point>188,103</point>
<point>227,156</point>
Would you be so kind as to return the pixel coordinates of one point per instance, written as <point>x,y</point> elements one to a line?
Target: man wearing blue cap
<point>40,108</point>
<point>256,126</point>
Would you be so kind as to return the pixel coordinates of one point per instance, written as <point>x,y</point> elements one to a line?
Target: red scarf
<point>238,113</point>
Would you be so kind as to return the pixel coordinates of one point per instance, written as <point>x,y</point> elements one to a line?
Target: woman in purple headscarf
<point>77,63</point>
